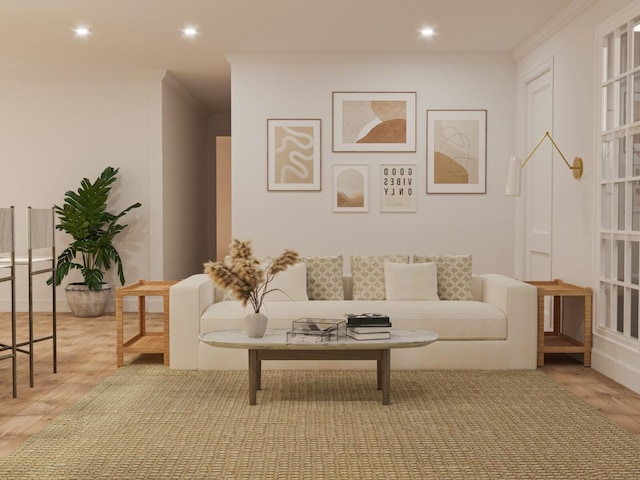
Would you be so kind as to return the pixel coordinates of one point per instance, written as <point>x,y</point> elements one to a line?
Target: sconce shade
<point>513,177</point>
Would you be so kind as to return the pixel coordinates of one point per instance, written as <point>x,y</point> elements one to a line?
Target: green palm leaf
<point>84,216</point>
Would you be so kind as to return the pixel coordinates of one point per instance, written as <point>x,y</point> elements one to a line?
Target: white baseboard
<point>623,372</point>
<point>130,304</point>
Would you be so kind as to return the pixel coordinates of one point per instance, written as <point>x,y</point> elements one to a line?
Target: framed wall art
<point>397,188</point>
<point>350,188</point>
<point>293,154</point>
<point>456,151</point>
<point>374,121</point>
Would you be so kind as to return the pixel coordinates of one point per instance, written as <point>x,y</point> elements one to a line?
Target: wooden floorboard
<point>87,355</point>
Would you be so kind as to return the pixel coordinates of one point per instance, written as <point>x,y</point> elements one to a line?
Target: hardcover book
<point>368,336</point>
<point>367,319</point>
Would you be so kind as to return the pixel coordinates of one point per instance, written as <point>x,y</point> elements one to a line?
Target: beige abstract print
<point>293,154</point>
<point>374,121</point>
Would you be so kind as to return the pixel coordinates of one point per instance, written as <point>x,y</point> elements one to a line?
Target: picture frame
<point>294,154</point>
<point>350,188</point>
<point>374,121</point>
<point>398,192</point>
<point>456,151</point>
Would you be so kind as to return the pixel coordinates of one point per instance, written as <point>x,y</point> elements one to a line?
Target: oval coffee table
<point>274,346</point>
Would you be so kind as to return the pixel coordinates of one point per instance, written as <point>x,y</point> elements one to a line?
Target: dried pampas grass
<point>244,275</point>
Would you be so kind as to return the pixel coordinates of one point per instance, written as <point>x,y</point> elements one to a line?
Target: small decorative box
<point>317,329</point>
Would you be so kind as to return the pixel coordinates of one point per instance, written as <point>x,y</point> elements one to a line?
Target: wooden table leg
<point>379,372</point>
<point>541,330</point>
<point>587,330</point>
<point>385,375</point>
<point>253,375</point>
<point>119,332</point>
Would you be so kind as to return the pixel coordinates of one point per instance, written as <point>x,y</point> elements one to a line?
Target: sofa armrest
<point>519,301</point>
<point>188,299</point>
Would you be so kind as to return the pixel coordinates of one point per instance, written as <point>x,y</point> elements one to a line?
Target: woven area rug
<point>147,421</point>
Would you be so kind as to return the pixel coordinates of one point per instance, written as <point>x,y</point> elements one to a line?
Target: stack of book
<point>368,326</point>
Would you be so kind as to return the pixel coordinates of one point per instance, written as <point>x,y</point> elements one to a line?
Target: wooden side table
<point>143,341</point>
<point>557,341</point>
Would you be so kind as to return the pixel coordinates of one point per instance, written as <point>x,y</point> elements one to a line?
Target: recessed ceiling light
<point>190,31</point>
<point>82,31</point>
<point>427,32</point>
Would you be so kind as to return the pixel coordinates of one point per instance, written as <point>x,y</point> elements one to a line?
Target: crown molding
<point>566,15</point>
<point>80,75</point>
<point>368,58</point>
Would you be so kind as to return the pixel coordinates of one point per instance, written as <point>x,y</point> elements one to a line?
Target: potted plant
<point>84,216</point>
<point>249,280</point>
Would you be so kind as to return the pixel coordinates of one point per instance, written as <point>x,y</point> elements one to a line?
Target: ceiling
<point>139,35</point>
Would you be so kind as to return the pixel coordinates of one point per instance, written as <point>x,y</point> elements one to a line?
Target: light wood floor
<point>86,356</point>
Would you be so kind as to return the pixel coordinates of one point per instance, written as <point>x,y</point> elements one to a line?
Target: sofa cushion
<point>324,277</point>
<point>451,320</point>
<point>454,275</point>
<point>289,285</point>
<point>411,281</point>
<point>367,273</point>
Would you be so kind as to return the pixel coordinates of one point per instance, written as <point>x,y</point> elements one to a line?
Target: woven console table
<point>143,341</point>
<point>556,341</point>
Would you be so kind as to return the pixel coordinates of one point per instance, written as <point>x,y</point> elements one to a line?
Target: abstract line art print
<point>374,121</point>
<point>293,154</point>
<point>456,151</point>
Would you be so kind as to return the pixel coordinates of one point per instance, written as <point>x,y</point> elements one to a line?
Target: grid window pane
<point>622,102</point>
<point>619,260</point>
<point>635,206</point>
<point>623,51</point>
<point>634,313</point>
<point>620,309</point>
<point>607,203</point>
<point>636,155</point>
<point>621,157</point>
<point>605,255</point>
<point>608,57</point>
<point>635,262</point>
<point>636,97</point>
<point>621,204</point>
<point>636,42</point>
<point>607,108</point>
<point>605,301</point>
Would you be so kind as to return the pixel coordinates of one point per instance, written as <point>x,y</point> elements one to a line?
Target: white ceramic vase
<point>255,324</point>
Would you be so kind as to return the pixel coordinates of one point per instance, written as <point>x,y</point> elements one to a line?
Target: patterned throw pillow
<point>324,277</point>
<point>454,275</point>
<point>367,273</point>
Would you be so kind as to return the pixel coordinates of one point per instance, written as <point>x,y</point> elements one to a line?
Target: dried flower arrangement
<point>244,274</point>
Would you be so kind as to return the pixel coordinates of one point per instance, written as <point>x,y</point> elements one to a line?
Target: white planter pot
<point>87,303</point>
<point>255,324</point>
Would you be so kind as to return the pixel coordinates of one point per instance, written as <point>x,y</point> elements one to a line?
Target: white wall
<point>57,129</point>
<point>185,207</point>
<point>573,50</point>
<point>294,87</point>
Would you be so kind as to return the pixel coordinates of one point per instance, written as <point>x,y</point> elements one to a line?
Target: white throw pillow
<point>292,282</point>
<point>412,281</point>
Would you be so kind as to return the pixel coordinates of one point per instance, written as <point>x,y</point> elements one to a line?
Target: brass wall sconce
<point>513,178</point>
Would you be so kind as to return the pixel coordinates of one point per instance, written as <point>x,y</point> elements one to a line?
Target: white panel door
<point>538,178</point>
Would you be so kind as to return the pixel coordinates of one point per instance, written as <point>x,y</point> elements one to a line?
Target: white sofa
<point>495,330</point>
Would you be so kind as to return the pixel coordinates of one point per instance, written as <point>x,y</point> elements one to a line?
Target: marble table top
<point>276,339</point>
